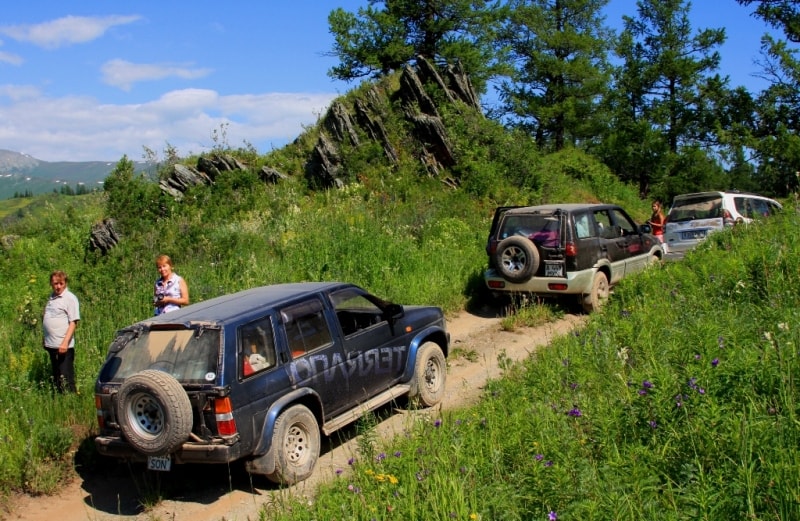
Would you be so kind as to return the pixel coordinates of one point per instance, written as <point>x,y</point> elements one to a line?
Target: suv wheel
<point>517,259</point>
<point>430,370</point>
<point>296,444</point>
<point>598,295</point>
<point>154,412</point>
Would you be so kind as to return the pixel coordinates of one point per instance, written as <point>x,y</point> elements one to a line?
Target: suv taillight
<point>727,218</point>
<point>223,415</point>
<point>571,249</point>
<point>101,413</point>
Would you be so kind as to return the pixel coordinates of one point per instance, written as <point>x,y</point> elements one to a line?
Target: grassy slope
<point>397,231</point>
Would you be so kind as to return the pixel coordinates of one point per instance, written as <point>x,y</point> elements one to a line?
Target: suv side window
<point>256,347</point>
<point>306,327</point>
<point>354,312</point>
<point>583,226</point>
<point>623,223</point>
<point>604,226</point>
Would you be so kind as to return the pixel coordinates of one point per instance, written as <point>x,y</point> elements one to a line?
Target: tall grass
<point>409,239</point>
<point>677,402</point>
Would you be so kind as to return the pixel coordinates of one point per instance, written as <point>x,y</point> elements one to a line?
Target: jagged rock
<point>270,175</point>
<point>413,92</point>
<point>215,164</point>
<point>375,129</point>
<point>461,85</point>
<point>182,178</point>
<point>337,122</point>
<point>103,236</point>
<point>322,169</point>
<point>432,134</point>
<point>428,74</point>
<point>7,241</point>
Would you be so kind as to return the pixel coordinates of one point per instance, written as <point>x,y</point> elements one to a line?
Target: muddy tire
<point>295,444</point>
<point>598,295</point>
<point>154,412</point>
<point>517,259</point>
<point>430,372</point>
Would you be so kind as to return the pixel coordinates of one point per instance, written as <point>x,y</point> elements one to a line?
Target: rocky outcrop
<point>434,150</point>
<point>209,168</point>
<point>103,236</point>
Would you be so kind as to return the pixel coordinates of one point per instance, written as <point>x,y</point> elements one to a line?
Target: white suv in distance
<point>693,216</point>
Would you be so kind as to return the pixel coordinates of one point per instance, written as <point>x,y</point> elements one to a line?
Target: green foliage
<point>677,402</point>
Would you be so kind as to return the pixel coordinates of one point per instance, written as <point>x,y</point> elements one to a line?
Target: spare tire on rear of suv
<point>154,412</point>
<point>516,258</point>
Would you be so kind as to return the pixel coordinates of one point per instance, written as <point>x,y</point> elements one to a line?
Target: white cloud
<point>65,31</point>
<point>13,59</point>
<point>123,74</point>
<point>79,128</point>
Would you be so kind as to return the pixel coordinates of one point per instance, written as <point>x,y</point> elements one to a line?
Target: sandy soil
<point>217,493</point>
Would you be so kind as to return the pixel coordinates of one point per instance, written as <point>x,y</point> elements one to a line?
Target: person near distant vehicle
<point>61,316</point>
<point>170,291</point>
<point>657,220</point>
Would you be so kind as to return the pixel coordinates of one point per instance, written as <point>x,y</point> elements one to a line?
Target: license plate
<point>162,463</point>
<point>694,234</point>
<point>553,270</point>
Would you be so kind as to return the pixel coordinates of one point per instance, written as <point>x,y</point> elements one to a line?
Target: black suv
<point>566,249</point>
<point>260,374</point>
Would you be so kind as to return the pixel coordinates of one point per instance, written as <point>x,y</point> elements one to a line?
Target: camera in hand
<point>158,298</point>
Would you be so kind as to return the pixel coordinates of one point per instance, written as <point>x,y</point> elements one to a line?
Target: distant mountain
<point>21,173</point>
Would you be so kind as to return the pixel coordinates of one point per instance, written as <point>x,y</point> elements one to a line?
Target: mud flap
<point>264,464</point>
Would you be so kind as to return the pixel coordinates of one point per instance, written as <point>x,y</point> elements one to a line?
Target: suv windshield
<point>189,355</point>
<point>540,228</point>
<point>700,207</point>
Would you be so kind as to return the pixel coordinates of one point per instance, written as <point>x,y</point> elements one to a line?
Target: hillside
<point>23,174</point>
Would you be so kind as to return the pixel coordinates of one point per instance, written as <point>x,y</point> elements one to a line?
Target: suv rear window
<point>542,229</point>
<point>700,207</point>
<point>189,355</point>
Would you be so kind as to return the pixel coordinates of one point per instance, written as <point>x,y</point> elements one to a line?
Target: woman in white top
<point>171,291</point>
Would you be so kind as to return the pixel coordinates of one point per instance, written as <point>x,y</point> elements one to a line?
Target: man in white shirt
<point>61,316</point>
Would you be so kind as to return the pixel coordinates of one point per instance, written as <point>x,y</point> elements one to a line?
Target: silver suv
<point>693,216</point>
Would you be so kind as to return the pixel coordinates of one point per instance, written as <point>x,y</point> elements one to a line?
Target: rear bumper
<point>577,282</point>
<point>190,452</point>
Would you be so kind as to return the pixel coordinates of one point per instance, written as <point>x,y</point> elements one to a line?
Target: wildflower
<point>647,384</point>
<point>548,463</point>
<point>697,357</point>
<point>351,461</point>
<point>380,457</point>
<point>473,516</point>
<point>552,516</point>
<point>575,412</point>
<point>437,423</point>
<point>397,454</point>
<point>573,386</point>
<point>715,362</point>
<point>339,471</point>
<point>653,424</point>
<point>625,313</point>
<point>539,457</point>
<point>642,392</point>
<point>783,326</point>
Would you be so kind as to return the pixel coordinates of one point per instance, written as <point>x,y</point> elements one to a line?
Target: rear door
<point>315,357</point>
<point>636,251</point>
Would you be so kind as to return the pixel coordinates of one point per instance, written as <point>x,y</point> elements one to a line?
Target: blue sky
<point>95,80</point>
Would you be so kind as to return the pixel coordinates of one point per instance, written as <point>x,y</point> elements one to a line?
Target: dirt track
<point>215,493</point>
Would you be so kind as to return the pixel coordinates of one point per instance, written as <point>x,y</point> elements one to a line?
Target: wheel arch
<point>303,396</point>
<point>431,334</point>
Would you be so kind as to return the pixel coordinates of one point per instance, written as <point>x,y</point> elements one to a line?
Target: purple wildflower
<point>642,392</point>
<point>539,457</point>
<point>380,457</point>
<point>574,412</point>
<point>351,461</point>
<point>653,424</point>
<point>715,362</point>
<point>437,423</point>
<point>552,516</point>
<point>398,454</point>
<point>697,357</point>
<point>339,471</point>
<point>647,384</point>
<point>548,463</point>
